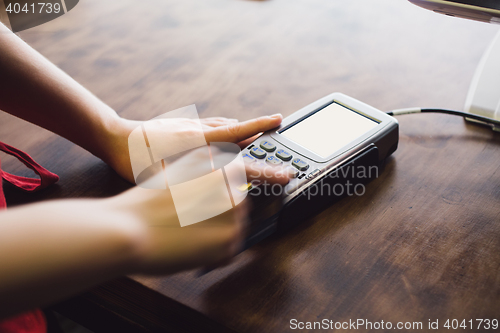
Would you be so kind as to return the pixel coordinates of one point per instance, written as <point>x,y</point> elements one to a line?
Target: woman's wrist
<point>129,228</point>
<point>115,150</point>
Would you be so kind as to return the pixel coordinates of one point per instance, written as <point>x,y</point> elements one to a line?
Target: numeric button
<point>257,152</point>
<point>284,155</point>
<point>273,160</point>
<point>247,158</point>
<point>267,146</point>
<point>299,164</point>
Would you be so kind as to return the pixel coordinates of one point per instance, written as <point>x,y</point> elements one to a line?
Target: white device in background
<point>484,92</point>
<point>479,10</point>
<point>483,98</point>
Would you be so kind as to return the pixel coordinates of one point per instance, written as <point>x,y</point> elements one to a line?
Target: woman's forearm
<point>52,250</point>
<point>34,89</point>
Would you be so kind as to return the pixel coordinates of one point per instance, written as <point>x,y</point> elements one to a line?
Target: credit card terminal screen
<point>329,129</point>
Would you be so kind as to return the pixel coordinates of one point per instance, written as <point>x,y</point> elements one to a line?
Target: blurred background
<point>257,57</point>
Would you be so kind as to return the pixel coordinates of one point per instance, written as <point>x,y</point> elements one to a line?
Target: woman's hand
<point>164,247</point>
<point>216,129</point>
<point>167,247</point>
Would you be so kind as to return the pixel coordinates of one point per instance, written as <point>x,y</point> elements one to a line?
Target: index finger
<point>240,131</point>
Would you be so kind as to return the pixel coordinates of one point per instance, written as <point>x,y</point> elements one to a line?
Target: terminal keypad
<point>280,157</point>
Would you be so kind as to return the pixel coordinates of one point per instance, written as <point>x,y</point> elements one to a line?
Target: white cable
<point>406,111</point>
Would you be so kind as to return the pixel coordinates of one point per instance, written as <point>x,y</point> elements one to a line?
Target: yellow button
<point>245,187</point>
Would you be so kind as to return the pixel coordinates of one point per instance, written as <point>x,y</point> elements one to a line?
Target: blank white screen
<point>329,129</point>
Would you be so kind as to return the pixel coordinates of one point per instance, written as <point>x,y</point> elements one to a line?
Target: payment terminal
<point>331,148</point>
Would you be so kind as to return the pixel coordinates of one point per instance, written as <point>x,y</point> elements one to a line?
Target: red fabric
<point>29,322</point>
<point>33,321</point>
<point>3,203</point>
<point>29,184</point>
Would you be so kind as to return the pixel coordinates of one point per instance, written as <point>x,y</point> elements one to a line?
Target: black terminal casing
<point>303,196</point>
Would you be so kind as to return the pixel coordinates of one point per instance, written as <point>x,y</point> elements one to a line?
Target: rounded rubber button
<point>247,158</point>
<point>273,160</point>
<point>284,155</point>
<point>267,146</point>
<point>299,164</point>
<point>257,152</point>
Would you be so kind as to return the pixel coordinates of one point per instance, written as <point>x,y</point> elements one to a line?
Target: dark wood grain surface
<point>422,243</point>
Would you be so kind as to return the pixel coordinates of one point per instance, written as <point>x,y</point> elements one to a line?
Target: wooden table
<point>422,243</point>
